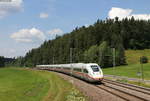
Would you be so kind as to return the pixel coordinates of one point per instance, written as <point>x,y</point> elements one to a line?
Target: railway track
<point>124,91</point>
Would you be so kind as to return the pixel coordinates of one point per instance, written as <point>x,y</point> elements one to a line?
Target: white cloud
<point>119,12</point>
<point>141,16</point>
<point>28,35</point>
<point>56,31</point>
<point>44,15</point>
<point>123,13</point>
<point>86,25</point>
<point>7,8</point>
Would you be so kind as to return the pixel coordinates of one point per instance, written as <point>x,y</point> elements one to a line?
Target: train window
<point>85,71</point>
<point>95,68</point>
<point>77,69</point>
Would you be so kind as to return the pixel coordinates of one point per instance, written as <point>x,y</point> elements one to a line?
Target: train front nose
<point>101,79</point>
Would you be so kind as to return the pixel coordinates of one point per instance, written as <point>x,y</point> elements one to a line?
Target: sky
<point>26,24</point>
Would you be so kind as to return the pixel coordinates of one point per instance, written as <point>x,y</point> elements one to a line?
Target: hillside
<point>133,56</point>
<point>129,71</point>
<point>133,67</point>
<point>92,44</point>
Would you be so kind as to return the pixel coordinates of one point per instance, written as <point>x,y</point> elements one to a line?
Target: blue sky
<point>25,24</point>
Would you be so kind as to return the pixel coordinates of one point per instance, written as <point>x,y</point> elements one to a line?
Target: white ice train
<point>90,72</point>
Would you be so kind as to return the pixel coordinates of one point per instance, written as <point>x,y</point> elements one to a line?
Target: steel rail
<point>123,97</point>
<point>129,87</point>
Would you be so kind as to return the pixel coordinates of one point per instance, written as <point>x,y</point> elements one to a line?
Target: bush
<point>2,61</point>
<point>143,59</point>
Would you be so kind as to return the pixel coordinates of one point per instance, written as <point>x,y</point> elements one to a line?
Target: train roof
<point>73,65</point>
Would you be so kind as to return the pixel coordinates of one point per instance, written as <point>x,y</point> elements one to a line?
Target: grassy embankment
<point>130,70</point>
<point>133,56</point>
<point>29,85</point>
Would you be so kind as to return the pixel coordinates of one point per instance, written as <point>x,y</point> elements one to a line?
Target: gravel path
<point>91,91</point>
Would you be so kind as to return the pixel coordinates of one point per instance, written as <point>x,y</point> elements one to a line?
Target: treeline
<point>5,61</point>
<point>93,44</point>
<point>2,61</point>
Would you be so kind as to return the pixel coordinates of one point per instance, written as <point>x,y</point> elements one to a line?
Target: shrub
<point>143,59</point>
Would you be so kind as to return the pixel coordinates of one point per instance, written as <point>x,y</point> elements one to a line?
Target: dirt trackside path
<point>92,92</point>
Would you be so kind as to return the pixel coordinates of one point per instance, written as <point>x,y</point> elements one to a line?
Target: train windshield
<point>95,68</point>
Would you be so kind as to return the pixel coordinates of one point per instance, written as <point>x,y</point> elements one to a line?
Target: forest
<point>5,61</point>
<point>94,43</point>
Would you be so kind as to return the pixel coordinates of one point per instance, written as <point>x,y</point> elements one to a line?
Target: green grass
<point>133,56</point>
<point>129,70</point>
<point>30,85</point>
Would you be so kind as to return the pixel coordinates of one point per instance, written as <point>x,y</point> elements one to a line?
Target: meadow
<point>133,56</point>
<point>129,71</point>
<point>31,85</point>
<point>133,67</point>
